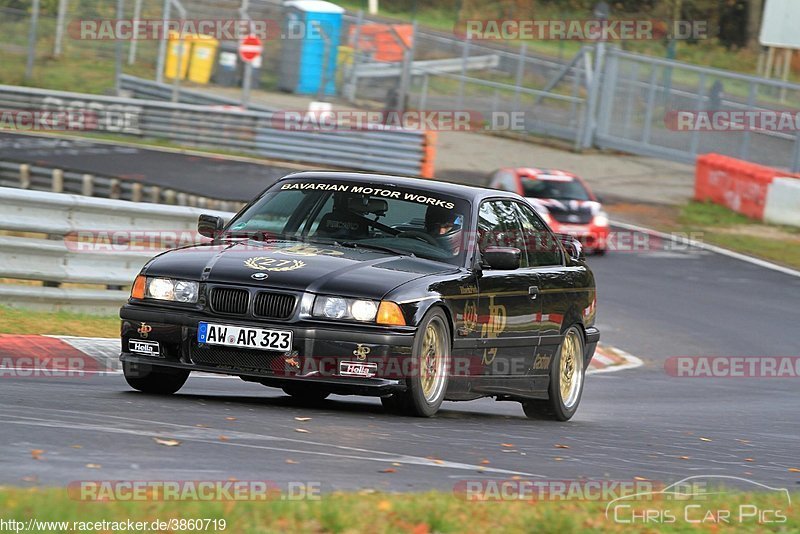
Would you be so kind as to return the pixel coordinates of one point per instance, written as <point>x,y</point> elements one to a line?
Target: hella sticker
<point>148,348</point>
<point>365,370</point>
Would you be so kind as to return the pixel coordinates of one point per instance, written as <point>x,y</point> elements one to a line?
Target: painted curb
<point>622,360</point>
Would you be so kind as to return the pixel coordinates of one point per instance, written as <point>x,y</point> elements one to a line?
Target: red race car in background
<point>563,200</point>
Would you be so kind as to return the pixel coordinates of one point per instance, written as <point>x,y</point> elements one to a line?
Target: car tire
<point>600,252</point>
<point>306,393</point>
<point>566,381</point>
<point>427,385</point>
<point>153,378</point>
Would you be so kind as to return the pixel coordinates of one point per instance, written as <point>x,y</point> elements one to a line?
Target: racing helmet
<point>446,228</point>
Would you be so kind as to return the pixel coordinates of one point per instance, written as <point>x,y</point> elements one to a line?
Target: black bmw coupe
<point>411,290</point>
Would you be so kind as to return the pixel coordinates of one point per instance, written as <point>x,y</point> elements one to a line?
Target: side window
<point>499,226</point>
<point>541,245</point>
<point>488,227</point>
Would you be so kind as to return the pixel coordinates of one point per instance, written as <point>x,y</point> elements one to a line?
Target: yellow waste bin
<point>344,59</point>
<point>204,51</point>
<point>174,45</point>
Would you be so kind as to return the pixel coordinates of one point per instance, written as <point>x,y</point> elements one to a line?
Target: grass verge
<point>22,321</point>
<point>411,512</point>
<point>732,230</point>
<point>721,226</point>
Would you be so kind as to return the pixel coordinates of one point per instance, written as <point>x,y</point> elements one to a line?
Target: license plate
<point>366,370</point>
<point>244,337</point>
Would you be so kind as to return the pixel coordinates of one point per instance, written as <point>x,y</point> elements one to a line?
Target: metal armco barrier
<point>150,90</point>
<point>430,66</point>
<point>378,148</point>
<point>38,178</point>
<point>74,248</point>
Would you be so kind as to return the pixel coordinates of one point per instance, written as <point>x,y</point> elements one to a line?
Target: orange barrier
<point>429,154</point>
<point>383,42</point>
<point>739,185</point>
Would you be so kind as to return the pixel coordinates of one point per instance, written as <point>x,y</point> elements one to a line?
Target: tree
<point>755,11</point>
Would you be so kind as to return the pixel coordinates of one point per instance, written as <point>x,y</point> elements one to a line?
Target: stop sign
<point>250,48</point>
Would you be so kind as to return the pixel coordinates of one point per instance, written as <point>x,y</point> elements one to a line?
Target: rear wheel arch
<point>555,407</point>
<point>573,317</point>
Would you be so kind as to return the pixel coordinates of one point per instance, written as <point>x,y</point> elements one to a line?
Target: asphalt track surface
<point>632,423</point>
<point>642,422</point>
<point>216,177</point>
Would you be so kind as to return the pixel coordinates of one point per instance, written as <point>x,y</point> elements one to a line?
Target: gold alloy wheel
<point>571,369</point>
<point>432,361</point>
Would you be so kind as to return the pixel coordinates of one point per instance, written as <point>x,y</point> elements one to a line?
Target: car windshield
<point>362,215</point>
<point>559,188</point>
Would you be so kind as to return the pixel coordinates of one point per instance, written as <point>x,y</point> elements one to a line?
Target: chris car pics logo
<point>704,500</point>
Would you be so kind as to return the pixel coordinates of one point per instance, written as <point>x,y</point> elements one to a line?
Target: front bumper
<point>315,356</point>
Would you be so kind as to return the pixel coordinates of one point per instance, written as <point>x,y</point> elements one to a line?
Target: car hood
<point>316,268</point>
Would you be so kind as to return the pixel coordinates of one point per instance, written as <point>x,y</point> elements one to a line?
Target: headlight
<point>343,308</point>
<point>185,291</point>
<point>363,310</point>
<point>601,219</point>
<point>335,308</point>
<point>172,290</point>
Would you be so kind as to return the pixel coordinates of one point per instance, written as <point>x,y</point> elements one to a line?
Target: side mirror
<point>573,247</point>
<point>210,226</point>
<point>502,258</point>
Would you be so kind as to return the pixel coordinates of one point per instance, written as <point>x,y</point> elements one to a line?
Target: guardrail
<point>41,178</point>
<point>152,90</point>
<point>84,241</point>
<point>429,66</point>
<point>377,147</point>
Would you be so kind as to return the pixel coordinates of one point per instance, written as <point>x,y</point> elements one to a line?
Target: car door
<point>507,309</point>
<point>555,281</point>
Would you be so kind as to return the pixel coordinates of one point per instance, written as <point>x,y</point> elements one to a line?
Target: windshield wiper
<point>370,246</point>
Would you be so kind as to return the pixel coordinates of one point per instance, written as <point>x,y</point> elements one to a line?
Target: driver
<point>445,227</point>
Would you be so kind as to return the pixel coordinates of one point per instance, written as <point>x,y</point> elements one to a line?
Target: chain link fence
<point>628,102</point>
<point>58,38</point>
<point>643,96</point>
